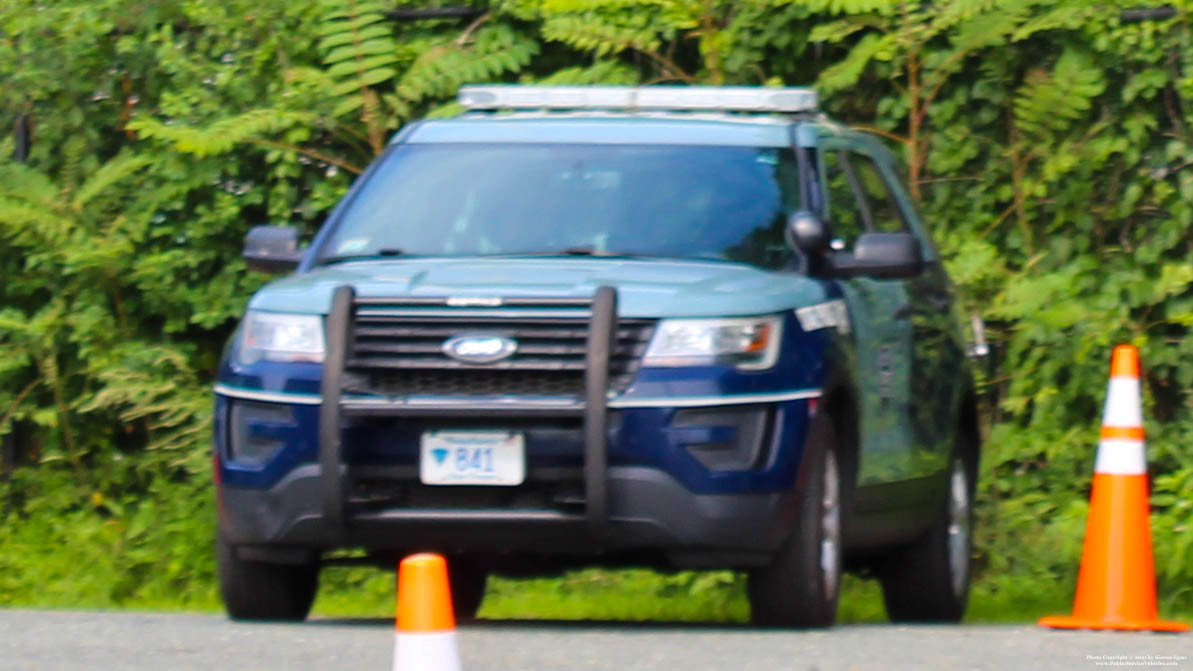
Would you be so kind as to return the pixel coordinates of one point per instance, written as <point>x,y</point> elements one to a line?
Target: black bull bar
<point>602,327</point>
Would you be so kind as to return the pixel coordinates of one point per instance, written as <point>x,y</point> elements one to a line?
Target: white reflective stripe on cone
<point>1118,456</point>
<point>426,651</point>
<point>1122,403</point>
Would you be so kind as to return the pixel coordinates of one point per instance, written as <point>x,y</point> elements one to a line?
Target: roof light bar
<point>655,98</point>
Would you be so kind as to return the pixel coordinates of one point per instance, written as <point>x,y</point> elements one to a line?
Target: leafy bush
<point>1048,143</point>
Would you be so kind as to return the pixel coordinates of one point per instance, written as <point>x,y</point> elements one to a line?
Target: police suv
<point>683,327</point>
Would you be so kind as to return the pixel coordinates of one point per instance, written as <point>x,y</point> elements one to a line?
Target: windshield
<point>717,203</point>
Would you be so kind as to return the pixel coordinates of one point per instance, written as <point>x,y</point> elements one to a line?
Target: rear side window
<point>886,217</point>
<point>860,198</point>
<point>846,214</point>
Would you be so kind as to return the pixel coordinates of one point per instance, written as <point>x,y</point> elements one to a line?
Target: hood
<point>646,288</point>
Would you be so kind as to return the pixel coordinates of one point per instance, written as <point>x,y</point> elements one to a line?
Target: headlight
<point>749,343</point>
<point>274,336</point>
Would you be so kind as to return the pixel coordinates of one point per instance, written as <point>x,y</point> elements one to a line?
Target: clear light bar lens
<point>656,98</point>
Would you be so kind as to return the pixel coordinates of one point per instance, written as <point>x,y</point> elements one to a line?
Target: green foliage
<point>628,595</point>
<point>1048,144</point>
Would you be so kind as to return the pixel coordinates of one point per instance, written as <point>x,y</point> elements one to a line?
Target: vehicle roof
<point>607,128</point>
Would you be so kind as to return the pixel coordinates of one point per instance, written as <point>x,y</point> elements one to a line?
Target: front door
<point>937,360</point>
<point>880,311</point>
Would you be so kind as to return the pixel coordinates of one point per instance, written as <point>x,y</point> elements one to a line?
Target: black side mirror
<point>882,255</point>
<point>807,233</point>
<point>272,249</point>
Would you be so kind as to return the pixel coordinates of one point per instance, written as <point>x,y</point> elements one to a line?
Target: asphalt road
<point>46,640</point>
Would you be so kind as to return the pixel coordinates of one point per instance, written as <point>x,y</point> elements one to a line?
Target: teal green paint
<point>655,288</point>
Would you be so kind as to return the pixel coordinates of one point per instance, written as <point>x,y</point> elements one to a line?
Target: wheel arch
<point>969,431</point>
<point>840,400</point>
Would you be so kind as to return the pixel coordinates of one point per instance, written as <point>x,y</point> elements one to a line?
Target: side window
<point>884,209</point>
<point>847,215</point>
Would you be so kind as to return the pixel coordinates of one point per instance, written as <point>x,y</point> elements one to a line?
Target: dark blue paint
<point>637,436</point>
<point>271,376</point>
<point>301,446</point>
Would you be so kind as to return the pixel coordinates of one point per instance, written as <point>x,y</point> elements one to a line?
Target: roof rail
<point>639,98</point>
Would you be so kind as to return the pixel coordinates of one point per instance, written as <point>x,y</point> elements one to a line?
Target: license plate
<point>472,458</point>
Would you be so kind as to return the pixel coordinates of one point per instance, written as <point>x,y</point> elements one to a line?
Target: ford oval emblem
<point>479,347</point>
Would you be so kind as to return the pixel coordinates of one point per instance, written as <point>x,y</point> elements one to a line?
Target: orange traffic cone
<point>1116,587</point>
<point>426,625</point>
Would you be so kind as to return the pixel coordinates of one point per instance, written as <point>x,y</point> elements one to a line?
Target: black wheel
<point>262,591</point>
<point>801,585</point>
<point>928,579</point>
<point>467,580</point>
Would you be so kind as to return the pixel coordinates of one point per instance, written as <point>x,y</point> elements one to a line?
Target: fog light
<point>724,439</point>
<point>255,431</point>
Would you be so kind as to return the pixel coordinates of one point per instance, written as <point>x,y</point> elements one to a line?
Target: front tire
<point>928,580</point>
<point>801,586</point>
<point>468,580</point>
<point>254,590</point>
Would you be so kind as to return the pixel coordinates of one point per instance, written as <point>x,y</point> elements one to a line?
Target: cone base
<point>421,651</point>
<point>1067,622</point>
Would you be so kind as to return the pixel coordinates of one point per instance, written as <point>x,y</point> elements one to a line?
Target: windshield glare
<point>717,203</point>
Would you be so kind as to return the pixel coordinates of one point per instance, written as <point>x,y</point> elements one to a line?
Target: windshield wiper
<point>574,251</point>
<point>382,253</point>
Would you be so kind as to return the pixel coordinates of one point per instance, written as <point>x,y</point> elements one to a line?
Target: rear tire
<point>801,586</point>
<point>928,579</point>
<point>254,590</point>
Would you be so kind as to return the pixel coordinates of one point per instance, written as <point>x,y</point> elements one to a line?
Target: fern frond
<point>73,152</point>
<point>222,135</point>
<point>591,33</point>
<point>442,69</point>
<point>879,7</point>
<point>1063,16</point>
<point>834,31</point>
<point>32,225</point>
<point>1049,102</point>
<point>109,174</point>
<point>846,73</point>
<point>154,384</point>
<point>360,51</point>
<point>601,72</point>
<point>20,182</point>
<point>366,34</point>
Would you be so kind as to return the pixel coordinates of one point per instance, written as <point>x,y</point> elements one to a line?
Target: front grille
<point>396,350</point>
<point>476,382</point>
<point>381,492</point>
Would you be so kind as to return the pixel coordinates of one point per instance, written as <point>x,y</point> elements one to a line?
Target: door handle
<point>940,302</point>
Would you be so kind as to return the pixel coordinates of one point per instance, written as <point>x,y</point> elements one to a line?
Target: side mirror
<point>807,233</point>
<point>882,255</point>
<point>272,249</point>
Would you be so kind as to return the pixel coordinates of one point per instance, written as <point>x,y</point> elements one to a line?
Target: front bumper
<point>708,479</point>
<point>648,511</point>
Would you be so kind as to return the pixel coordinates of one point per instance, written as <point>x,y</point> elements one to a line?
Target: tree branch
<point>318,156</point>
<point>467,34</point>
